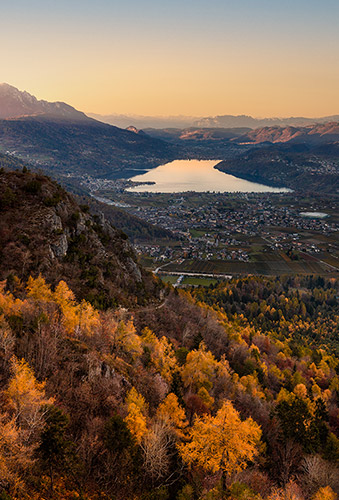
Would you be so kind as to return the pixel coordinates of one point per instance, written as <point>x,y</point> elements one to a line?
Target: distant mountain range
<point>142,122</point>
<point>230,121</point>
<point>222,121</point>
<point>314,134</point>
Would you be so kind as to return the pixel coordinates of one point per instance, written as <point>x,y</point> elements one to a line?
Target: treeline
<point>196,405</point>
<point>303,310</point>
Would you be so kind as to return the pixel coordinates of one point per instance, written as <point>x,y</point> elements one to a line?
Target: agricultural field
<point>266,265</point>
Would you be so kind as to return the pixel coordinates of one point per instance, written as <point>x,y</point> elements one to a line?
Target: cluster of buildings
<point>248,218</point>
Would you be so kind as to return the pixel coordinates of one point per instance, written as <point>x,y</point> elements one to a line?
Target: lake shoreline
<point>181,176</point>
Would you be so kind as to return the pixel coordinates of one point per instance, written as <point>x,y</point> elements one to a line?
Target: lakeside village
<point>226,226</point>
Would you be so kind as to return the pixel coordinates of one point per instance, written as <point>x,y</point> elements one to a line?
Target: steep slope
<point>15,103</point>
<point>77,148</point>
<point>43,230</point>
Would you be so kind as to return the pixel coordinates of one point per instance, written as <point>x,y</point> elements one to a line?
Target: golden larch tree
<point>26,397</point>
<point>173,414</point>
<point>223,443</point>
<point>162,354</point>
<point>136,418</point>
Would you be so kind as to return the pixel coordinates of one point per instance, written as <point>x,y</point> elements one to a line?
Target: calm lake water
<point>196,175</point>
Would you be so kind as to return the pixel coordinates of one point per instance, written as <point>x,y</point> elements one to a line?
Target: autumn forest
<point>97,405</point>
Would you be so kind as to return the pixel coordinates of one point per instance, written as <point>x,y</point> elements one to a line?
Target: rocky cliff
<point>43,230</point>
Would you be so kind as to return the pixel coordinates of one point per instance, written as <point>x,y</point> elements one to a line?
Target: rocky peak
<point>15,104</point>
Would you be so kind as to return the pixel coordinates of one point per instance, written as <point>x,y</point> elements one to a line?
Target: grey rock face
<point>60,247</point>
<point>53,222</point>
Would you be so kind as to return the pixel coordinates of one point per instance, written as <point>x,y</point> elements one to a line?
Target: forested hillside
<point>76,148</point>
<point>303,310</point>
<point>296,166</point>
<point>96,405</point>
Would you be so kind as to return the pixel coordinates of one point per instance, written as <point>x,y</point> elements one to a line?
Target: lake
<point>196,175</point>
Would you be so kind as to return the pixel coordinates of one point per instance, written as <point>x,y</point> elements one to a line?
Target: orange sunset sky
<point>257,57</point>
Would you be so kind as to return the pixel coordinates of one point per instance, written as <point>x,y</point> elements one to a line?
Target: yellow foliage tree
<point>26,397</point>
<point>82,317</point>
<point>205,397</point>
<point>136,418</point>
<point>64,296</point>
<point>162,354</point>
<point>222,443</point>
<point>15,456</point>
<point>325,493</point>
<point>126,339</point>
<point>87,317</point>
<point>300,391</point>
<point>201,369</point>
<point>38,289</point>
<point>173,414</point>
<point>8,304</point>
<point>250,384</point>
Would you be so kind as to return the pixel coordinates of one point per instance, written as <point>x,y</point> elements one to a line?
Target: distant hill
<point>15,103</point>
<point>296,166</point>
<point>197,134</point>
<point>44,230</point>
<point>318,133</point>
<point>77,148</point>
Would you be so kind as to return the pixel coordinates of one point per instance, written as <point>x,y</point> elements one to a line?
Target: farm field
<point>265,266</point>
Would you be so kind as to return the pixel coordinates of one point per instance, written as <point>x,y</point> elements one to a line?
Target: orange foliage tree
<point>221,443</point>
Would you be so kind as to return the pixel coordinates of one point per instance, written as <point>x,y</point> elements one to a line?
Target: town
<point>232,233</point>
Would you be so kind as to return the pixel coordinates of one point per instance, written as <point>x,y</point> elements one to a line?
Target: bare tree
<point>317,473</point>
<point>156,444</point>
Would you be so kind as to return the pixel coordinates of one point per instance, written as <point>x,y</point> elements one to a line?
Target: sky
<point>175,57</point>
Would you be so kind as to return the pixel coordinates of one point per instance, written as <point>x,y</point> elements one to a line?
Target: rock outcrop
<point>43,230</point>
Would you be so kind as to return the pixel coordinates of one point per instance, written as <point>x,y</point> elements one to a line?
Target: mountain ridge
<point>15,104</point>
<point>64,141</point>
